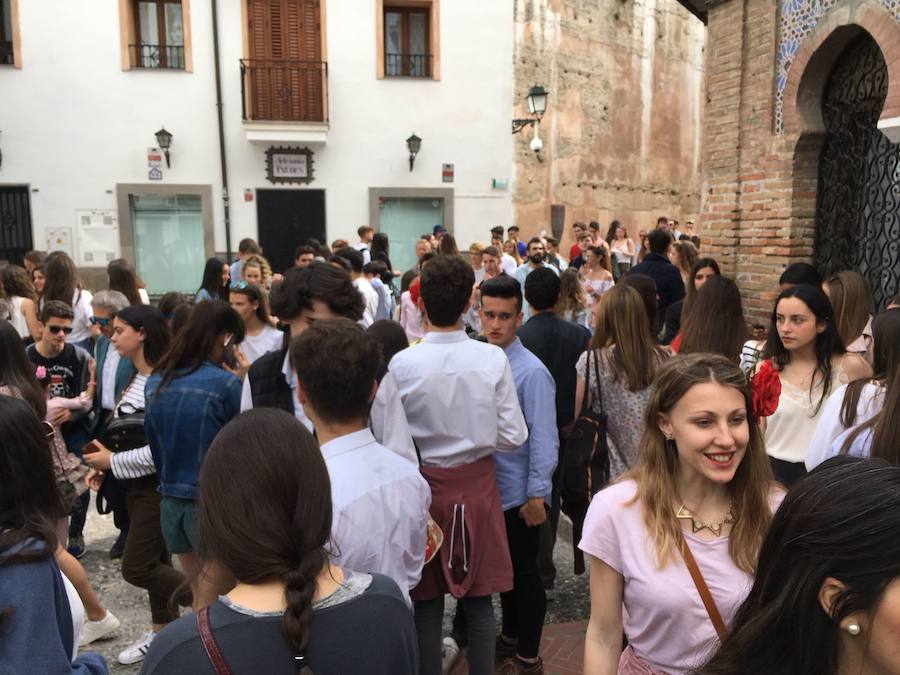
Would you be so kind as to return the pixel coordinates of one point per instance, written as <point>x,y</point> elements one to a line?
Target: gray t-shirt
<point>363,627</point>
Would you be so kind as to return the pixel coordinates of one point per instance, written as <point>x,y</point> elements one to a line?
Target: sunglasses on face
<point>97,321</point>
<point>57,329</point>
<point>238,285</point>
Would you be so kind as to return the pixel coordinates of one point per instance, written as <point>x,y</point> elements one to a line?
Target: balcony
<point>285,100</point>
<point>157,57</point>
<point>408,65</point>
<point>6,53</point>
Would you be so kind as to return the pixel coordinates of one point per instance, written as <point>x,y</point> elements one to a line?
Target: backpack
<point>584,461</point>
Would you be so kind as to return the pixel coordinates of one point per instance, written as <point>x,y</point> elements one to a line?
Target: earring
<point>669,437</point>
<point>853,628</point>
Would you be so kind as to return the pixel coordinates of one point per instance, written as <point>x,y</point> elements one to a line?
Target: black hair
<point>375,268</point>
<point>199,339</point>
<point>337,363</point>
<point>306,249</point>
<point>354,257</point>
<point>284,534</point>
<point>30,503</point>
<point>407,279</point>
<point>828,343</point>
<point>124,279</point>
<point>169,302</point>
<point>157,337</point>
<point>535,240</point>
<point>659,239</point>
<point>392,338</point>
<point>212,279</point>
<point>542,289</point>
<point>504,286</point>
<point>341,262</point>
<point>320,281</point>
<point>840,521</point>
<point>800,273</point>
<point>380,244</point>
<point>445,288</point>
<point>17,370</point>
<point>647,288</point>
<point>56,309</point>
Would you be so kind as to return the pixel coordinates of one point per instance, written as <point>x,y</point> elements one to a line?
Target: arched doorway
<point>858,202</point>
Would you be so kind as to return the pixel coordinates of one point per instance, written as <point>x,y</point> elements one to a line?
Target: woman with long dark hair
<point>621,248</point>
<point>380,250</point>
<point>124,279</point>
<point>857,403</point>
<point>42,614</point>
<point>827,590</point>
<point>62,283</point>
<point>22,298</point>
<point>703,269</point>
<point>193,392</point>
<point>214,285</point>
<point>805,362</point>
<point>288,596</point>
<point>140,334</point>
<point>715,323</point>
<point>252,304</point>
<point>700,498</point>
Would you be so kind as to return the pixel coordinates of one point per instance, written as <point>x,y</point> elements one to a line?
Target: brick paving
<point>562,648</point>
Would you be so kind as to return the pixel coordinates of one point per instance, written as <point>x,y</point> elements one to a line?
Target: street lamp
<point>413,143</point>
<point>164,139</point>
<point>536,100</point>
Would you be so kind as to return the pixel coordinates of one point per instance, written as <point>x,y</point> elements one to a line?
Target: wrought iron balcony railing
<point>156,56</point>
<point>284,90</point>
<point>408,65</point>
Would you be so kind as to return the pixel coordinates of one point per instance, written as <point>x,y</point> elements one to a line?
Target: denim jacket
<point>181,420</point>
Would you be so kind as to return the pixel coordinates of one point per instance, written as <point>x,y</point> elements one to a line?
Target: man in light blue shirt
<point>380,500</point>
<point>524,476</point>
<point>535,261</point>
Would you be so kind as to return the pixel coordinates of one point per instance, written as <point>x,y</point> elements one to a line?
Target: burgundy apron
<point>474,559</point>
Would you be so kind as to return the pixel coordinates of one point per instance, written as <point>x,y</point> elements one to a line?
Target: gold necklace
<point>684,513</point>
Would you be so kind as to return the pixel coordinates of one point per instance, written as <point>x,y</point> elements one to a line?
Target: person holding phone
<point>193,392</point>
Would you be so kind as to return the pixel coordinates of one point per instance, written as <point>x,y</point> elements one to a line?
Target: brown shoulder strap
<point>703,589</point>
<point>210,644</point>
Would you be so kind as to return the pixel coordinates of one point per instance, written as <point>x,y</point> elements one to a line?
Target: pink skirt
<point>632,664</point>
<point>474,558</point>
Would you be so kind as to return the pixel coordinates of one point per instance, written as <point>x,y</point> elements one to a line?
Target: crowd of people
<point>330,450</point>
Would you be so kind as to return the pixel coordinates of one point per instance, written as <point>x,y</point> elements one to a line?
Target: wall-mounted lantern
<point>164,139</point>
<point>413,143</point>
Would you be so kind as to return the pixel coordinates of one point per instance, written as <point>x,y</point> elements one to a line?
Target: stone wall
<point>623,127</point>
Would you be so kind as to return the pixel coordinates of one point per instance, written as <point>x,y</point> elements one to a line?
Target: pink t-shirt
<point>662,614</point>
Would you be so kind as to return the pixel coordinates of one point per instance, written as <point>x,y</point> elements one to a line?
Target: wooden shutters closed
<point>285,72</point>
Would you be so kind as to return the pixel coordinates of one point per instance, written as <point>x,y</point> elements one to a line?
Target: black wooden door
<point>858,210</point>
<point>15,223</point>
<point>287,218</point>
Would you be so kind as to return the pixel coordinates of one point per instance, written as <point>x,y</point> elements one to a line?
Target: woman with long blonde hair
<point>683,254</point>
<point>572,303</point>
<point>686,524</point>
<point>620,364</point>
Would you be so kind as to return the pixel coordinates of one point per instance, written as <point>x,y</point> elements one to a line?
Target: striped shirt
<point>138,462</point>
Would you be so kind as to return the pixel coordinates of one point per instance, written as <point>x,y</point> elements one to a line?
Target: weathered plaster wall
<point>622,131</point>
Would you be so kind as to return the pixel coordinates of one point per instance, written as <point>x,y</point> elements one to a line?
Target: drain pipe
<point>215,34</point>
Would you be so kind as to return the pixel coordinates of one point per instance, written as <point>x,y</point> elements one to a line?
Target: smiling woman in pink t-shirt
<point>702,491</point>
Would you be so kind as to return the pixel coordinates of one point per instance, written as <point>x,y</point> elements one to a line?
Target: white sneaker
<point>135,652</point>
<point>449,654</point>
<point>94,630</point>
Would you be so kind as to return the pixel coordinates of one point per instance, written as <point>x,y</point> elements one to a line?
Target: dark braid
<point>300,587</point>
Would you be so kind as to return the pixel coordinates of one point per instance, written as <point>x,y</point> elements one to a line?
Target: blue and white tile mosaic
<point>796,20</point>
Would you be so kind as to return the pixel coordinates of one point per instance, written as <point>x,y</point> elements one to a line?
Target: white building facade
<point>318,99</point>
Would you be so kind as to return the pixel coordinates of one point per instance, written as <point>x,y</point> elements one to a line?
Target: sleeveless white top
<point>16,318</point>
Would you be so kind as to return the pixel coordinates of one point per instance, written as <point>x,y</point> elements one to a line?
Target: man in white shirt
<point>369,294</point>
<point>462,407</point>
<point>365,239</point>
<point>320,291</point>
<point>380,500</point>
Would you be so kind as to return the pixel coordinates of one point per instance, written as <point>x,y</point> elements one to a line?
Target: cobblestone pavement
<point>568,602</point>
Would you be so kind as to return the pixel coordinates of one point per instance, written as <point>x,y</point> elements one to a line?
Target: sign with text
<point>289,165</point>
<point>447,173</point>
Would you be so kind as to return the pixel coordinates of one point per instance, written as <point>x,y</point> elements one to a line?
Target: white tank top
<point>16,318</point>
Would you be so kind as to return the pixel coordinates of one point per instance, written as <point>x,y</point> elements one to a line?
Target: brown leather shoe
<point>516,666</point>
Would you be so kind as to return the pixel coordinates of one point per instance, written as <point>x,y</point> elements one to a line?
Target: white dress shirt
<point>387,418</point>
<point>508,264</point>
<point>380,504</point>
<point>460,399</point>
<point>370,298</point>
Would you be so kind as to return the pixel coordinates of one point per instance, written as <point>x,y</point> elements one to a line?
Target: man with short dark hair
<point>460,399</point>
<point>558,344</point>
<point>553,256</point>
<point>369,294</point>
<point>320,291</point>
<point>578,229</point>
<point>585,241</point>
<point>534,261</point>
<point>365,233</point>
<point>246,247</point>
<point>304,256</point>
<point>656,265</point>
<point>490,259</point>
<point>524,477</point>
<point>799,273</point>
<point>380,500</point>
<point>512,233</point>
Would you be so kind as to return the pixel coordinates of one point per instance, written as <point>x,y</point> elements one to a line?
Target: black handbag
<point>584,460</point>
<point>125,431</point>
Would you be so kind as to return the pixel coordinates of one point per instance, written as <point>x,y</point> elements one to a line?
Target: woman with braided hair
<point>265,516</point>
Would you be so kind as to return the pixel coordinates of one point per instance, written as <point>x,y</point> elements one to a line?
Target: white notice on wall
<point>98,237</point>
<point>60,239</point>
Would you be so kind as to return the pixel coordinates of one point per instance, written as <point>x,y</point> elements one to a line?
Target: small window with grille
<point>159,35</point>
<point>407,41</point>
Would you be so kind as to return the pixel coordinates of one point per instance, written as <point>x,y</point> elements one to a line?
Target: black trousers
<point>525,605</point>
<point>545,563</point>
